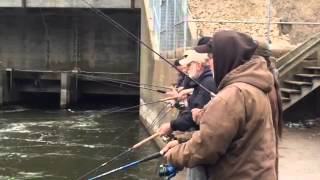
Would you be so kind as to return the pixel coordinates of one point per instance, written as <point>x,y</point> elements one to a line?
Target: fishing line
<point>163,116</point>
<point>107,163</point>
<point>132,107</point>
<point>127,81</point>
<point>121,28</point>
<point>138,40</point>
<point>120,82</point>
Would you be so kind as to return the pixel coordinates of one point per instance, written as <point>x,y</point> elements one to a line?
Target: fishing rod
<point>125,83</point>
<point>137,145</point>
<point>143,104</point>
<point>121,28</point>
<point>132,164</point>
<point>138,40</point>
<point>121,154</point>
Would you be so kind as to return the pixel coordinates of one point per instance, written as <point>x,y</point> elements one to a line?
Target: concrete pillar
<point>74,87</point>
<point>2,74</point>
<point>68,90</point>
<point>65,87</point>
<point>9,91</point>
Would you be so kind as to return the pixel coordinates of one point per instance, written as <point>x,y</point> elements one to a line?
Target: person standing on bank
<point>237,138</point>
<point>199,70</point>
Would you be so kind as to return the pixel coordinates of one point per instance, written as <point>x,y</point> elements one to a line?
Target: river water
<point>65,144</point>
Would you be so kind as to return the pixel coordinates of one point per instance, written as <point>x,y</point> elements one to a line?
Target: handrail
<point>311,41</point>
<point>296,56</point>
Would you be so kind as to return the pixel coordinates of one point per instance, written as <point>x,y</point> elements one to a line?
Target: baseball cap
<point>193,56</point>
<point>205,48</point>
<point>203,40</point>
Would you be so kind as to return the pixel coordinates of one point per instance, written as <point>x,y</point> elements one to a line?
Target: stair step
<point>312,67</point>
<point>290,91</point>
<point>285,99</point>
<point>298,83</point>
<point>308,75</point>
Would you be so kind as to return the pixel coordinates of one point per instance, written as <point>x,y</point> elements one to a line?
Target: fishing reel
<point>168,171</point>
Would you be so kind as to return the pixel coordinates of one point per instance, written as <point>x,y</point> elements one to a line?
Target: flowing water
<point>65,144</point>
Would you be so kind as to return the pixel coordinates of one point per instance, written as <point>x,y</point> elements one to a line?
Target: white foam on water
<point>15,128</point>
<point>20,109</point>
<point>89,146</point>
<point>58,154</point>
<point>14,155</point>
<point>31,174</point>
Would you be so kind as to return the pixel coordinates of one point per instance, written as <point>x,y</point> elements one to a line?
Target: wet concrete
<point>300,154</point>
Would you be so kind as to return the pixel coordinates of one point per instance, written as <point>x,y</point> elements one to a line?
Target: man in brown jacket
<point>237,138</point>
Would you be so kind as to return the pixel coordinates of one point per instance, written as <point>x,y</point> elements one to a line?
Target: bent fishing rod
<point>138,40</point>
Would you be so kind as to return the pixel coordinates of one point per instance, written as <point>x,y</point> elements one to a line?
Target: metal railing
<point>296,56</point>
<point>171,23</point>
<point>173,30</point>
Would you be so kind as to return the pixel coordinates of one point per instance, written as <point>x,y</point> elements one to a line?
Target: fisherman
<point>182,89</point>
<point>237,135</point>
<point>204,40</point>
<point>199,70</point>
<point>181,76</point>
<point>183,82</point>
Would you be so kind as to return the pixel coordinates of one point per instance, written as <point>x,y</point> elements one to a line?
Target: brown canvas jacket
<point>236,140</point>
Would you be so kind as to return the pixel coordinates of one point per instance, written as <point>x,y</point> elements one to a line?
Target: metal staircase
<point>299,71</point>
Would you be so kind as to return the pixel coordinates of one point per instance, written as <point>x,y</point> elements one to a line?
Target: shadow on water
<point>44,142</point>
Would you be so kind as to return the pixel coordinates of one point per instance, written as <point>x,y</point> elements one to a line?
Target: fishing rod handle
<point>151,157</point>
<point>168,98</point>
<point>145,140</point>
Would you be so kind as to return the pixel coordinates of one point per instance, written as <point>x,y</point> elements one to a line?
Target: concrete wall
<point>257,10</point>
<point>58,39</point>
<point>152,71</point>
<point>67,3</point>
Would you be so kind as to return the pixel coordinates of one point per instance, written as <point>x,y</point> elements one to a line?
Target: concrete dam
<point>69,52</point>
